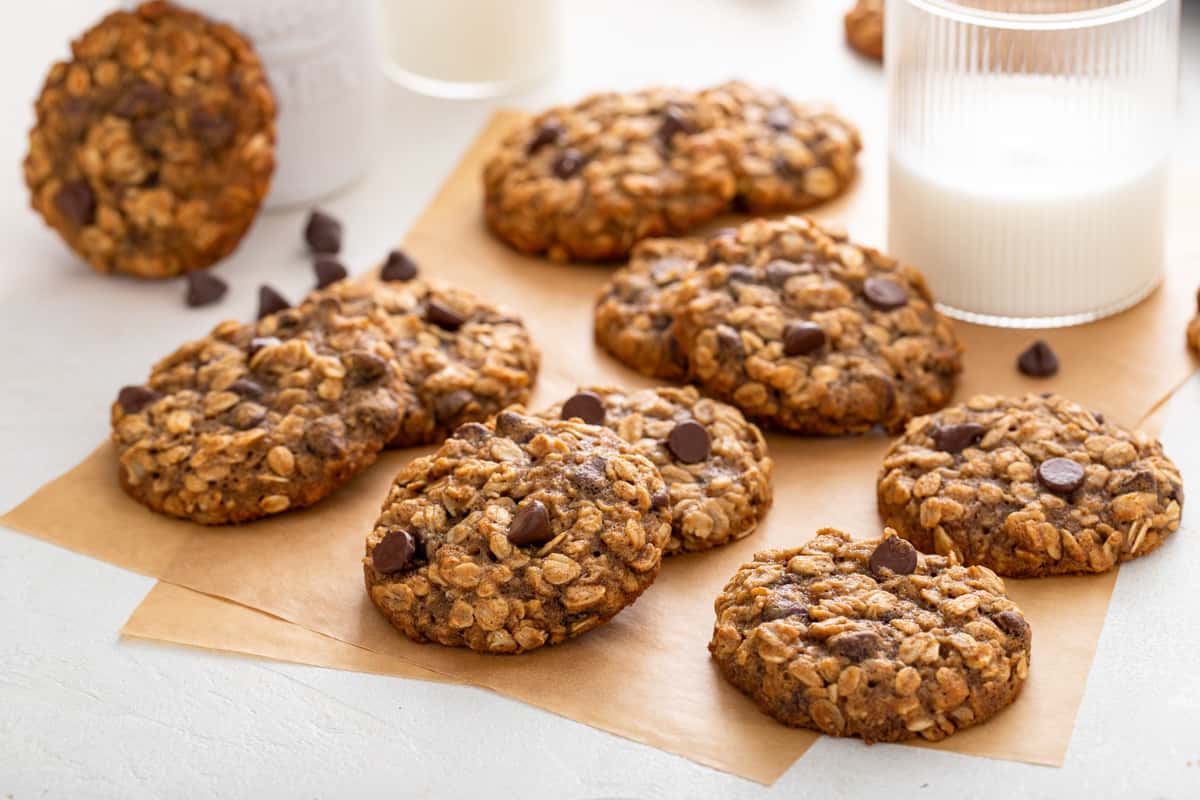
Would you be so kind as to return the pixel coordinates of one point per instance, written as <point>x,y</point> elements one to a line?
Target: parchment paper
<point>646,675</point>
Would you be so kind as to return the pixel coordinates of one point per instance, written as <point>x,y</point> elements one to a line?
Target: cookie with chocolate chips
<point>516,534</point>
<point>1029,486</point>
<point>589,181</point>
<point>715,463</point>
<point>154,143</point>
<point>869,638</point>
<point>864,28</point>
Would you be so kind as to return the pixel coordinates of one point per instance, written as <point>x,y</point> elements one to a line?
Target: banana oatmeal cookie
<point>154,144</point>
<point>588,181</point>
<point>870,638</point>
<point>517,534</point>
<point>1029,486</point>
<point>715,463</point>
<point>864,28</point>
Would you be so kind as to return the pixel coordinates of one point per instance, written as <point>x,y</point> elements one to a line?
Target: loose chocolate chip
<point>689,441</point>
<point>259,342</point>
<point>1011,623</point>
<point>855,645</point>
<point>133,399</point>
<point>270,301</point>
<point>398,267</point>
<point>213,131</point>
<point>895,555</point>
<point>660,500</point>
<point>451,404</point>
<point>568,164</point>
<point>1060,475</point>
<point>780,118</point>
<point>329,270</point>
<point>802,338</point>
<point>443,316</point>
<point>956,438</point>
<point>1038,360</point>
<point>530,525</point>
<point>76,202</point>
<point>246,388</point>
<point>673,122</point>
<point>323,232</point>
<point>364,366</point>
<point>740,274</point>
<point>777,608</point>
<point>587,406</point>
<point>203,288</point>
<point>396,551</point>
<point>548,133</point>
<point>884,294</point>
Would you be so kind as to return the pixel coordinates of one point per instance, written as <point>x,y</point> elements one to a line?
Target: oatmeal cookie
<point>804,330</point>
<point>870,638</point>
<point>715,463</point>
<point>255,419</point>
<point>517,534</point>
<point>154,144</point>
<point>588,181</point>
<point>864,28</point>
<point>1029,486</point>
<point>1193,329</point>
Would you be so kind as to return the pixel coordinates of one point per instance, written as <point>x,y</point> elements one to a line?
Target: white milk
<point>1042,215</point>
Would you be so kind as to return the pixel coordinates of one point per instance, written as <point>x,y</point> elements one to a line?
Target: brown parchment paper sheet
<point>646,675</point>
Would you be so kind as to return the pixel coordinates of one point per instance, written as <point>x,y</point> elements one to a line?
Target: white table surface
<point>83,714</point>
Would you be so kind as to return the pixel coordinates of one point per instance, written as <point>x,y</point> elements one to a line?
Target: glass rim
<point>1064,20</point>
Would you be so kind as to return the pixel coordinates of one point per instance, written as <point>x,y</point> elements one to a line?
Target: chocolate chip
<point>673,122</point>
<point>884,294</point>
<point>398,267</point>
<point>324,440</point>
<point>133,399</point>
<point>689,441</point>
<point>323,232</point>
<point>740,274</point>
<point>472,432</point>
<point>780,118</point>
<point>548,133</point>
<point>246,415</point>
<point>895,555</point>
<point>1011,623</point>
<point>587,406</point>
<point>246,388</point>
<point>203,288</point>
<point>660,500</point>
<point>76,202</point>
<point>802,338</point>
<point>855,645</point>
<point>1038,360</point>
<point>591,476</point>
<point>1060,475</point>
<point>517,427</point>
<point>259,342</point>
<point>270,301</point>
<point>451,404</point>
<point>778,608</point>
<point>956,438</point>
<point>329,270</point>
<point>782,166</point>
<point>1098,417</point>
<point>778,272</point>
<point>139,100</point>
<point>213,131</point>
<point>364,366</point>
<point>395,552</point>
<point>530,525</point>
<point>568,164</point>
<point>443,316</point>
<point>729,341</point>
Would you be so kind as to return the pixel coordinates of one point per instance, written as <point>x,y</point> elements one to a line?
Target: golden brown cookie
<point>1193,329</point>
<point>864,28</point>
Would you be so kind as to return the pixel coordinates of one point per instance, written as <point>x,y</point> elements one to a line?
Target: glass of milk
<point>1029,143</point>
<point>470,48</point>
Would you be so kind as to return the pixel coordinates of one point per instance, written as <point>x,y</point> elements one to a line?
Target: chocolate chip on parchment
<point>259,342</point>
<point>329,270</point>
<point>568,164</point>
<point>956,438</point>
<point>780,118</point>
<point>884,294</point>
<point>689,441</point>
<point>398,267</point>
<point>1038,360</point>
<point>133,399</point>
<point>76,202</point>
<point>855,645</point>
<point>396,551</point>
<point>673,122</point>
<point>587,406</point>
<point>802,338</point>
<point>270,301</point>
<point>530,525</point>
<point>203,288</point>
<point>548,133</point>
<point>323,232</point>
<point>1060,475</point>
<point>895,555</point>
<point>443,316</point>
<point>1011,623</point>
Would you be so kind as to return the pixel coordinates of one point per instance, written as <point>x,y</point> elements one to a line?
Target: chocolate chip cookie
<point>1029,486</point>
<point>715,463</point>
<point>517,534</point>
<point>255,419</point>
<point>154,144</point>
<point>870,638</point>
<point>864,28</point>
<point>806,331</point>
<point>588,181</point>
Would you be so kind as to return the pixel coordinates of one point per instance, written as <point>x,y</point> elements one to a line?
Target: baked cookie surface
<point>153,145</point>
<point>864,28</point>
<point>870,638</point>
<point>588,181</point>
<point>517,534</point>
<point>714,462</point>
<point>803,330</point>
<point>1193,329</point>
<point>1029,486</point>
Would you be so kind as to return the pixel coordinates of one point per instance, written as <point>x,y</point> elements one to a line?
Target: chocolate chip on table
<point>530,525</point>
<point>673,122</point>
<point>894,554</point>
<point>443,316</point>
<point>76,202</point>
<point>780,118</point>
<point>1011,623</point>
<point>203,288</point>
<point>956,438</point>
<point>855,645</point>
<point>323,232</point>
<point>270,301</point>
<point>548,133</point>
<point>133,399</point>
<point>329,270</point>
<point>802,338</point>
<point>587,406</point>
<point>395,551</point>
<point>398,267</point>
<point>1038,360</point>
<point>689,441</point>
<point>259,342</point>
<point>1060,475</point>
<point>568,164</point>
<point>884,294</point>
